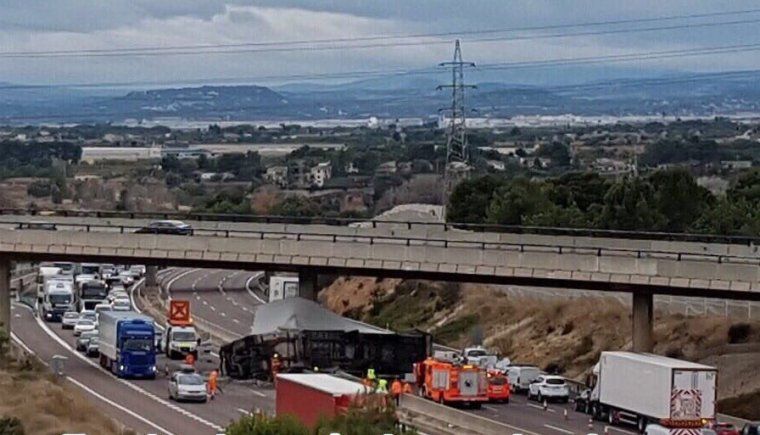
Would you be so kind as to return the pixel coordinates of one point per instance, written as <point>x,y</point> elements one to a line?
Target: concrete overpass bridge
<point>717,268</point>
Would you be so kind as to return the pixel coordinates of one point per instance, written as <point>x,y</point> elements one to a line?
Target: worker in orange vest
<point>275,365</point>
<point>212,380</point>
<point>407,389</point>
<point>396,389</point>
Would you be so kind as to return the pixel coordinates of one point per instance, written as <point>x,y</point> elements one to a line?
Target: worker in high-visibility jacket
<point>370,380</point>
<point>382,386</point>
<point>407,388</point>
<point>212,383</point>
<point>396,390</point>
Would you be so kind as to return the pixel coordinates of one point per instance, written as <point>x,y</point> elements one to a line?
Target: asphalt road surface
<point>140,404</point>
<point>226,299</point>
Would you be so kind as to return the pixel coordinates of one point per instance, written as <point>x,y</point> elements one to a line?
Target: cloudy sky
<point>37,38</point>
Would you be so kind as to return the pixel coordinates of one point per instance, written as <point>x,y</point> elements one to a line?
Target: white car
<point>189,386</point>
<point>121,304</point>
<point>549,388</point>
<point>69,319</point>
<point>117,294</point>
<point>127,278</point>
<point>84,325</point>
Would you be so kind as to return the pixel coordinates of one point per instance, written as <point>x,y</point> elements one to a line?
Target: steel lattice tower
<point>457,156</point>
<point>456,141</point>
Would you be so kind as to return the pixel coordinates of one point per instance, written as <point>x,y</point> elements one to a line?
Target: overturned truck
<point>305,336</point>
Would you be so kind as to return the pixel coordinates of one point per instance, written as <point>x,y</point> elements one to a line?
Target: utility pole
<point>457,155</point>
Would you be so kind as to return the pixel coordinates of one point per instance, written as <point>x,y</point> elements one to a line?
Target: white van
<point>520,377</point>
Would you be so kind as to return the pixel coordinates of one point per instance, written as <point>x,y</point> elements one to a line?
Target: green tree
<point>516,202</point>
<point>628,205</point>
<point>471,198</point>
<point>678,198</point>
<point>730,217</point>
<point>296,206</point>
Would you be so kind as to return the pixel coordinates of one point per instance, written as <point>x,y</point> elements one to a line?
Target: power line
<point>287,46</point>
<point>519,65</point>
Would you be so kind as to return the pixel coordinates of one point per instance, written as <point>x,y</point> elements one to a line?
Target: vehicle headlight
<point>153,368</point>
<point>121,368</point>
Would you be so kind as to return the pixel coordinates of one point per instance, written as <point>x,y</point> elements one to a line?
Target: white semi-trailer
<point>639,389</point>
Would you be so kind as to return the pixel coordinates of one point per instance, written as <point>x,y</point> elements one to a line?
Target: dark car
<point>751,429</point>
<point>167,227</point>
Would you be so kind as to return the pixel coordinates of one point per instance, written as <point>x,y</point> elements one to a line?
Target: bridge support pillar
<point>307,285</point>
<point>151,279</point>
<point>5,294</point>
<point>643,319</point>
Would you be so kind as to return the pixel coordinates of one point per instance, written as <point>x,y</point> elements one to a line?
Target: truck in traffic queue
<point>126,344</point>
<point>180,337</point>
<point>282,287</point>
<point>449,382</point>
<point>639,389</point>
<point>58,296</point>
<point>45,272</point>
<point>91,293</point>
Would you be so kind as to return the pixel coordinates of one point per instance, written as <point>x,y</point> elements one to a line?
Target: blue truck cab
<point>127,344</point>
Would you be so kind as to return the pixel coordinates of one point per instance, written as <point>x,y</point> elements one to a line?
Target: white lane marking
<point>180,275</point>
<point>204,302</point>
<point>540,407</point>
<point>258,393</point>
<point>221,313</point>
<point>130,385</point>
<point>116,405</point>
<point>248,286</point>
<point>211,307</point>
<point>490,408</point>
<point>243,411</point>
<point>236,320</point>
<point>93,392</point>
<point>609,428</point>
<point>558,429</point>
<point>245,309</point>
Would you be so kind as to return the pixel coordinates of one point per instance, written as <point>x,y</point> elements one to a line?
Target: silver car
<point>69,319</point>
<point>187,386</point>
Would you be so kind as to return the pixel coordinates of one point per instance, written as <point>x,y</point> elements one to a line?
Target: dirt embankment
<point>44,405</point>
<point>563,336</point>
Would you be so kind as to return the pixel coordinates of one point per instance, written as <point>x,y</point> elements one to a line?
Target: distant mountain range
<point>407,97</point>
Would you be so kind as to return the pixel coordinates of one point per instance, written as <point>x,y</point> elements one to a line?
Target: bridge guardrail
<point>403,241</point>
<point>445,226</point>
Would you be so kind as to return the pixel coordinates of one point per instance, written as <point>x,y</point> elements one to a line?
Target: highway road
<point>140,404</point>
<point>226,298</point>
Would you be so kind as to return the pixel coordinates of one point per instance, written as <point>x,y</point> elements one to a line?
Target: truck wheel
<point>596,413</point>
<point>641,424</point>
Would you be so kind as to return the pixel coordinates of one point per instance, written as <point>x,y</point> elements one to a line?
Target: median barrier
<point>455,420</point>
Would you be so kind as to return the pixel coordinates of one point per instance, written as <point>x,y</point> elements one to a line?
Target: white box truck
<point>282,286</point>
<point>638,389</point>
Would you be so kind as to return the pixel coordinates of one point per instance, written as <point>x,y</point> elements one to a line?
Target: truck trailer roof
<point>126,315</point>
<point>659,360</point>
<point>325,383</point>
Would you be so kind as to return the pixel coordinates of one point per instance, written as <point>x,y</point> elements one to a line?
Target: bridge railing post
<point>5,294</point>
